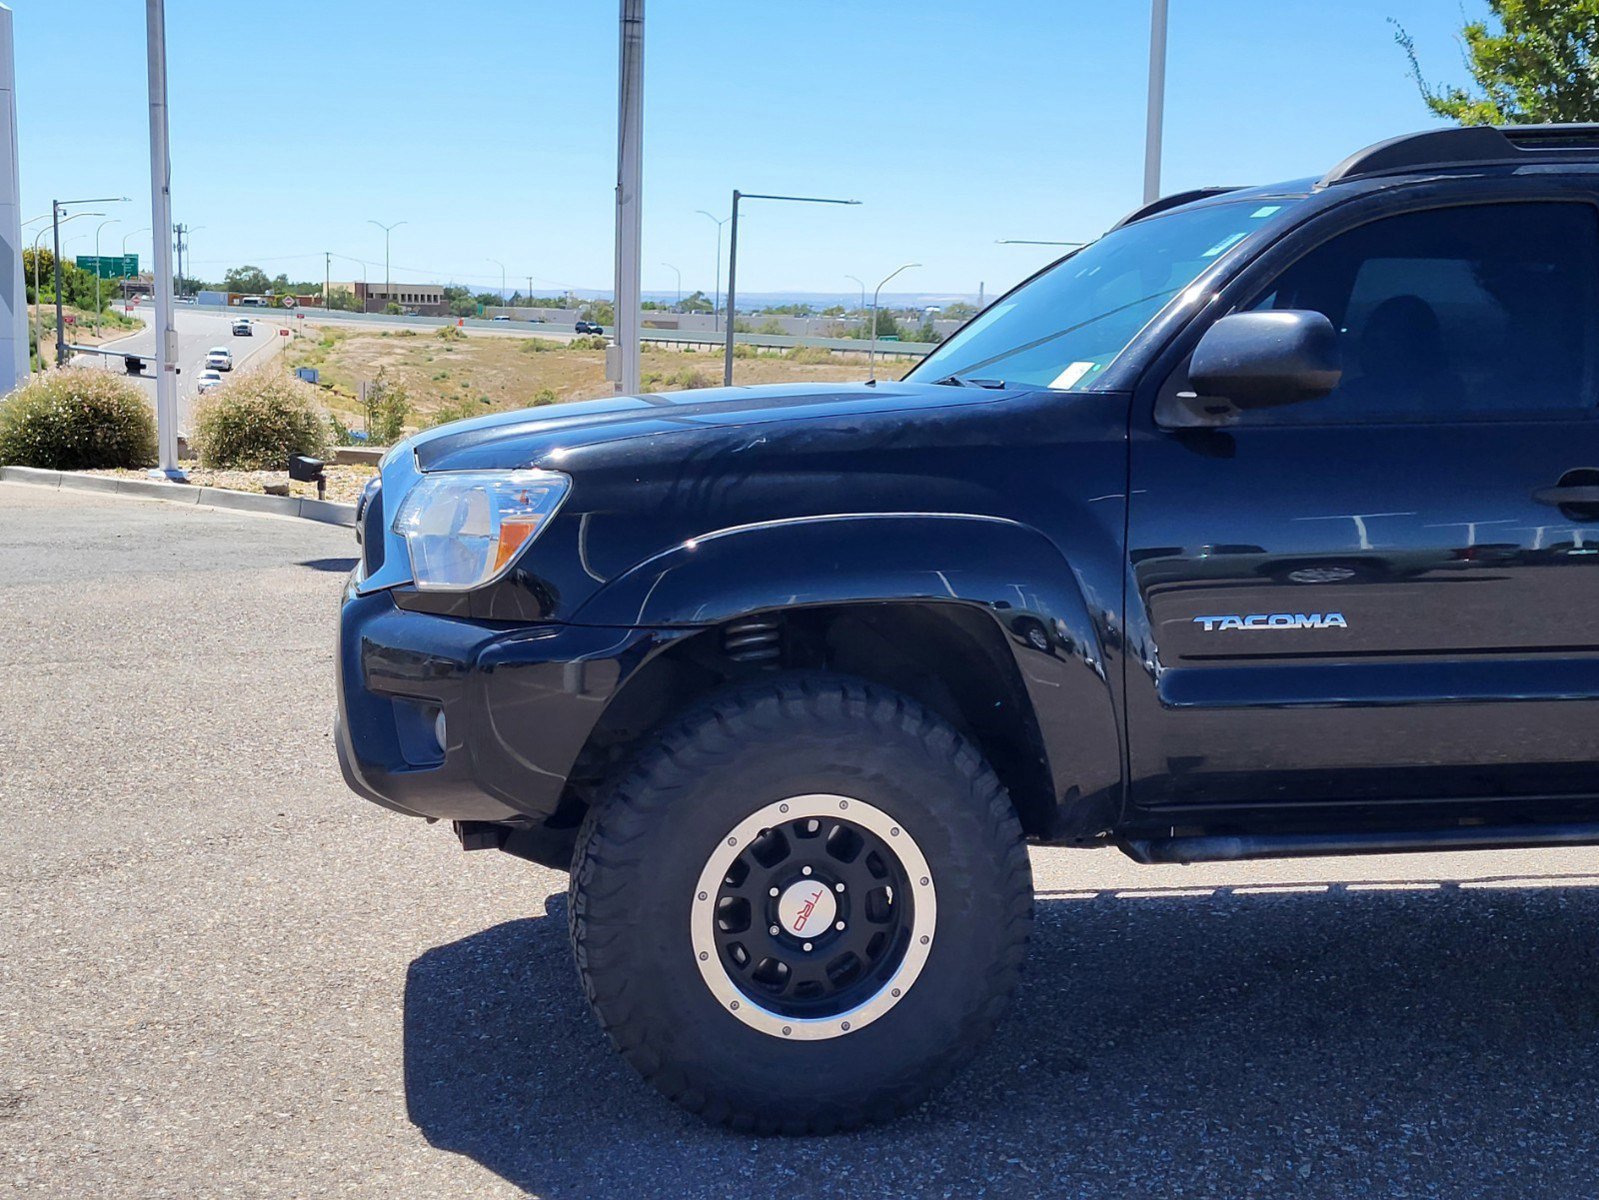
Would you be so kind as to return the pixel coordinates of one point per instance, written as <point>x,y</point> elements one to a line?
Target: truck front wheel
<point>802,907</point>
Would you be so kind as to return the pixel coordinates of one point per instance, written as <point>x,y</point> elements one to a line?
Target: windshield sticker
<point>1227,242</point>
<point>1071,374</point>
<point>1265,212</point>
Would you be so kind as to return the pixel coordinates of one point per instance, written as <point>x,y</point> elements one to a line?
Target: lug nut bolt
<point>838,887</point>
<point>776,931</point>
<point>703,956</point>
<point>894,832</point>
<point>787,1029</point>
<point>839,927</point>
<point>807,947</point>
<point>773,892</point>
<point>924,881</point>
<point>805,870</point>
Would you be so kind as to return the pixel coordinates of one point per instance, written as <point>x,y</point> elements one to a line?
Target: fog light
<point>438,730</point>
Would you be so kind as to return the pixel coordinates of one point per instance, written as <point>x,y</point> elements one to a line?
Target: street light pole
<point>1157,100</point>
<point>500,265</point>
<point>871,354</point>
<point>862,282</point>
<point>732,267</point>
<point>166,336</point>
<point>716,304</point>
<point>388,283</point>
<point>97,271</point>
<point>629,194</point>
<point>679,283</point>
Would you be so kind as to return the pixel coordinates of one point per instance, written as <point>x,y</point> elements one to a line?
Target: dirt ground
<point>470,373</point>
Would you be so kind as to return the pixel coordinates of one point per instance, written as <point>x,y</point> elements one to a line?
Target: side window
<point>1480,310</point>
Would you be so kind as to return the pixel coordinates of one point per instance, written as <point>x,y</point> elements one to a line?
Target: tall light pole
<point>57,207</point>
<point>14,364</point>
<point>679,275</point>
<point>862,282</point>
<point>716,304</point>
<point>166,335</point>
<point>1157,99</point>
<point>388,284</point>
<point>38,298</point>
<point>629,194</point>
<point>732,267</point>
<point>97,271</point>
<point>871,355</point>
<point>500,265</point>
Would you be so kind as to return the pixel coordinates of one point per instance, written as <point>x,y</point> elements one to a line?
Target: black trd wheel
<point>802,907</point>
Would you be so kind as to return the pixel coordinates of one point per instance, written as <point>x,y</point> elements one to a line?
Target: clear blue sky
<point>489,126</point>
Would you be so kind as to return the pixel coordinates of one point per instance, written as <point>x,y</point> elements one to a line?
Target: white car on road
<point>219,358</point>
<point>210,380</point>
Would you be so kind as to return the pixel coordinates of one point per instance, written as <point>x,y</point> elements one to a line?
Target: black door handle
<point>1563,496</point>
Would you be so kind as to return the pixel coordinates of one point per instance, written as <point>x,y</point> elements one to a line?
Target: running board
<point>1236,847</point>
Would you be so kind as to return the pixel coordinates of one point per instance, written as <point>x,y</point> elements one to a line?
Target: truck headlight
<point>464,528</point>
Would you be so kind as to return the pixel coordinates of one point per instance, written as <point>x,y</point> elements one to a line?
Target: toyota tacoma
<point>1267,524</point>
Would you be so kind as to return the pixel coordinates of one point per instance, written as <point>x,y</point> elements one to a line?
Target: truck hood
<point>542,436</point>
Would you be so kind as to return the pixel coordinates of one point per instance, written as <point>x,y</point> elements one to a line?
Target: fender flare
<point>1007,569</point>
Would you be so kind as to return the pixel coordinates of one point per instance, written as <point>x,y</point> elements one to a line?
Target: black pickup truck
<point>1267,524</point>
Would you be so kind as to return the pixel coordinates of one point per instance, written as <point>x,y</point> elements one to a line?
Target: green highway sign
<point>111,266</point>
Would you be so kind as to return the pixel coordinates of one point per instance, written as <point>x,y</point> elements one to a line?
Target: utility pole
<point>871,355</point>
<point>716,304</point>
<point>166,342</point>
<point>388,285</point>
<point>1157,100</point>
<point>327,280</point>
<point>679,275</point>
<point>55,225</point>
<point>629,183</point>
<point>14,361</point>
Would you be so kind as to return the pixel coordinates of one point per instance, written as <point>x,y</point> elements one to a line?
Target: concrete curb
<point>326,511</point>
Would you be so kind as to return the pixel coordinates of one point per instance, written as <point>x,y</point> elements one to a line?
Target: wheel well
<point>950,658</point>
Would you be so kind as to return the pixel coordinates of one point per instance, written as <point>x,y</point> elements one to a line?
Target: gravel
<point>222,974</point>
<point>344,482</point>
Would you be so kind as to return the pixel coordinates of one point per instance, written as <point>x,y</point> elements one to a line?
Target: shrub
<point>589,341</point>
<point>257,420</point>
<point>387,405</point>
<point>77,419</point>
<point>450,333</point>
<point>460,409</point>
<point>536,345</point>
<point>542,397</point>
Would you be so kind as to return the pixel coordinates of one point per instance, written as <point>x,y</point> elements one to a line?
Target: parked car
<point>243,327</point>
<point>219,358</point>
<point>1247,530</point>
<point>588,327</point>
<point>499,317</point>
<point>209,380</point>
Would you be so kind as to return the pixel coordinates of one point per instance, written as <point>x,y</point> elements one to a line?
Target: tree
<point>248,279</point>
<point>699,302</point>
<point>343,300</point>
<point>601,312</point>
<point>960,311</point>
<point>1532,61</point>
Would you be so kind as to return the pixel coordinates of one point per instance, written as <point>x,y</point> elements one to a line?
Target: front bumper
<point>519,704</point>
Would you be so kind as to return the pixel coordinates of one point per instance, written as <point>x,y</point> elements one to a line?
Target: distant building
<point>423,299</point>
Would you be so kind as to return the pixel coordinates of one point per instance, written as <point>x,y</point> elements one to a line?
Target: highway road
<point>198,332</point>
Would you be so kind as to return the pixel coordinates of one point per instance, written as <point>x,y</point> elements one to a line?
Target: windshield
<point>1065,327</point>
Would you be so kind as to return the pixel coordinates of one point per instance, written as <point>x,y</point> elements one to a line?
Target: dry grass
<point>496,373</point>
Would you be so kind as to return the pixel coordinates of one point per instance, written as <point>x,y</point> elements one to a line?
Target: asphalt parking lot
<point>223,975</point>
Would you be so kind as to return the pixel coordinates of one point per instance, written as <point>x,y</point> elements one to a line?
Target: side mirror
<point>1264,359</point>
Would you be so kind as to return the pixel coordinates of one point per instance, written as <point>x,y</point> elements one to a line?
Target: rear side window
<point>1474,311</point>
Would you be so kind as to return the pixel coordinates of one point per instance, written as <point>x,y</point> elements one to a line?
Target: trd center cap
<point>807,908</point>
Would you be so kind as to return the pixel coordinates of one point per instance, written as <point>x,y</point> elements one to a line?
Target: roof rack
<point>1171,201</point>
<point>1470,146</point>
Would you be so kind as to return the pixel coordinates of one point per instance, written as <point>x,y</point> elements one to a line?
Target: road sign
<point>284,332</point>
<point>110,266</point>
<point>289,302</point>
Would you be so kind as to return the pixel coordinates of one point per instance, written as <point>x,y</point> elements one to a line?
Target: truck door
<point>1392,593</point>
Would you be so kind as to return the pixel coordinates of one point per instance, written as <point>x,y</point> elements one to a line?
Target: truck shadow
<point>1438,1041</point>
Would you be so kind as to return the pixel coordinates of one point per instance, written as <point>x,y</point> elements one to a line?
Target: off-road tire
<point>642,849</point>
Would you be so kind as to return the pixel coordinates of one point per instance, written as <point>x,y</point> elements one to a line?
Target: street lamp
<point>97,272</point>
<point>679,283</point>
<point>388,285</point>
<point>56,209</point>
<point>716,304</point>
<point>862,282</point>
<point>38,299</point>
<point>871,354</point>
<point>500,265</point>
<point>732,267</point>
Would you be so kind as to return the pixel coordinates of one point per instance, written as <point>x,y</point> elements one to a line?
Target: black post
<point>61,321</point>
<point>730,307</point>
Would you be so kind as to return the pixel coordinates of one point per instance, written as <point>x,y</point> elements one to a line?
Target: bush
<point>461,409</point>
<point>256,421</point>
<point>589,341</point>
<point>76,419</point>
<point>450,333</point>
<point>387,405</point>
<point>536,345</point>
